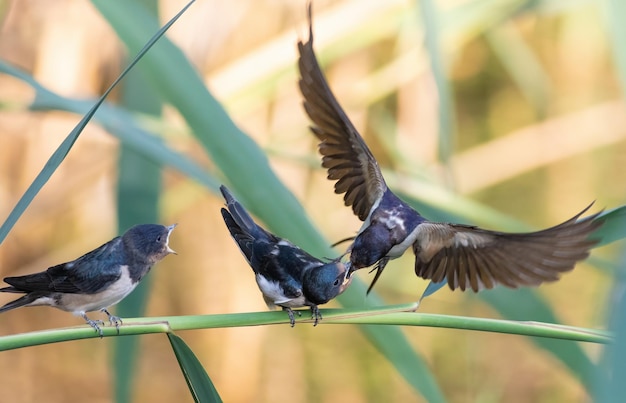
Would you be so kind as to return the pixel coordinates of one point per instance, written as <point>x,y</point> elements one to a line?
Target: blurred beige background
<point>540,165</point>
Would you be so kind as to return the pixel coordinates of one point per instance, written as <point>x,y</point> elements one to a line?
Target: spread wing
<point>345,155</point>
<point>88,274</point>
<point>470,257</point>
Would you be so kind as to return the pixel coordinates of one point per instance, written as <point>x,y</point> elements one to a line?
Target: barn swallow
<point>287,276</point>
<point>97,280</point>
<point>467,257</point>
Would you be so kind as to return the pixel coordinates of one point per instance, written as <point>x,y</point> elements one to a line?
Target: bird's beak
<point>167,243</point>
<point>348,277</point>
<point>349,270</point>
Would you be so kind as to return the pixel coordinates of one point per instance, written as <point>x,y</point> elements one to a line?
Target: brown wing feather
<point>345,155</point>
<point>473,258</point>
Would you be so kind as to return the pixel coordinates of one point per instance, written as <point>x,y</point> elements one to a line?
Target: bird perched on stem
<point>96,280</point>
<point>467,257</point>
<point>287,276</point>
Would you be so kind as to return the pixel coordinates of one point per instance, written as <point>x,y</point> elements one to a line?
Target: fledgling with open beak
<point>287,276</point>
<point>467,257</point>
<point>96,280</point>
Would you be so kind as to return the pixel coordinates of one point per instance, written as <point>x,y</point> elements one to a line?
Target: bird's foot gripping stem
<point>292,318</point>
<point>95,324</point>
<point>113,320</point>
<point>316,315</point>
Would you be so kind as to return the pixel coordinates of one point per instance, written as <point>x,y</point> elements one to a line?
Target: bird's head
<point>150,242</point>
<point>323,283</point>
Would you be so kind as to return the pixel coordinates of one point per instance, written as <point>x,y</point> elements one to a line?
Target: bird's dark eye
<point>159,238</point>
<point>336,283</point>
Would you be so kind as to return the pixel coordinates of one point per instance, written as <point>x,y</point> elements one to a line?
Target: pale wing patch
<point>430,238</point>
<point>273,292</point>
<point>468,239</point>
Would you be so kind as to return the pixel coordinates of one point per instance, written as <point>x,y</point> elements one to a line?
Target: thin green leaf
<point>610,386</point>
<point>617,31</point>
<point>120,123</point>
<point>199,383</point>
<point>61,152</point>
<point>614,227</point>
<point>432,288</point>
<point>446,119</point>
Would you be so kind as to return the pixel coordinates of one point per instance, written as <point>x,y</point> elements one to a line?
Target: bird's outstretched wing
<point>470,257</point>
<point>88,274</point>
<point>345,155</point>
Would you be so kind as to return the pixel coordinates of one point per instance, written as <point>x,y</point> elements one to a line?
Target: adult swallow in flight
<point>287,276</point>
<point>467,257</point>
<point>97,280</point>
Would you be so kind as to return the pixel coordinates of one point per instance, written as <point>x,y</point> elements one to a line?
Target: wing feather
<point>88,274</point>
<point>470,257</point>
<point>345,154</point>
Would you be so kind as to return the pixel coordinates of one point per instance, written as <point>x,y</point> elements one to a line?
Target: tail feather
<point>23,301</point>
<point>239,234</point>
<point>12,289</point>
<point>239,214</point>
<point>251,238</point>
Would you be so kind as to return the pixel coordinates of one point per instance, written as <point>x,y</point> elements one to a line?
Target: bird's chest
<point>113,294</point>
<point>389,231</point>
<point>394,224</point>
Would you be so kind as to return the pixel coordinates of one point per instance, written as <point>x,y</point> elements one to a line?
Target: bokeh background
<point>532,130</point>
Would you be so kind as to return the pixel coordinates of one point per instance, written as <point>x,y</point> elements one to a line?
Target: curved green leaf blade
<point>614,227</point>
<point>199,383</point>
<point>432,288</point>
<point>121,124</point>
<point>610,386</point>
<point>446,116</point>
<point>61,152</point>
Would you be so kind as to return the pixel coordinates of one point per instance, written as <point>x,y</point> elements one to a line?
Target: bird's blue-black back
<point>88,274</point>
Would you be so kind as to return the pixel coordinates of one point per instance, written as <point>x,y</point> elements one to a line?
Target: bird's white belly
<point>79,303</point>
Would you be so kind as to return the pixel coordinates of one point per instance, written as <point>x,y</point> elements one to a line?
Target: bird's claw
<point>316,315</point>
<point>113,320</point>
<point>95,324</point>
<point>292,319</point>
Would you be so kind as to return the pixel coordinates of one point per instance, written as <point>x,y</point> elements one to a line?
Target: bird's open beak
<point>167,243</point>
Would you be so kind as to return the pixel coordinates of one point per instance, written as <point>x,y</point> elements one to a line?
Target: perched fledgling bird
<point>467,257</point>
<point>97,280</point>
<point>286,275</point>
